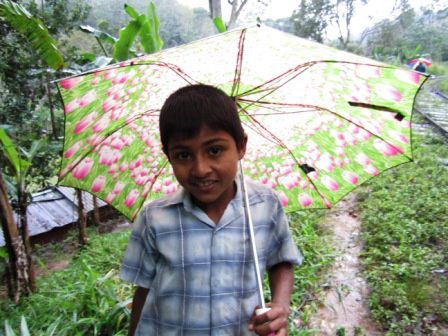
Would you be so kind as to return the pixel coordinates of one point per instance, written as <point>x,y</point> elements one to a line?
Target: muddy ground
<point>344,309</point>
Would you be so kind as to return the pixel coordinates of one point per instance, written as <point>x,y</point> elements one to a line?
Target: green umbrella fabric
<point>320,121</point>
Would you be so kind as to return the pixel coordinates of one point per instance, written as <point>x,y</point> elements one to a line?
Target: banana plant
<point>34,31</point>
<point>219,24</point>
<point>145,27</point>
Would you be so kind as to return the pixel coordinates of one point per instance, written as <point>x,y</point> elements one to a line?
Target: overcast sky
<point>284,8</point>
<point>365,16</point>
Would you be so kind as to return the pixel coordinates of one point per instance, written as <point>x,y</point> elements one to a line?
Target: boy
<point>189,253</point>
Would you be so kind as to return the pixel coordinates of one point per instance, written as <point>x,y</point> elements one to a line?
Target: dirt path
<point>344,310</point>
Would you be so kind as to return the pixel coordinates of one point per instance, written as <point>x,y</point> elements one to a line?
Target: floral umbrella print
<point>320,121</point>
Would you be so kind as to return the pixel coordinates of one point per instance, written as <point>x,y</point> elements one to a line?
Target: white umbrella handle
<point>252,239</point>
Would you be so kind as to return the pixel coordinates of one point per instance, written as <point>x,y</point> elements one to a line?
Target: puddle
<point>344,306</point>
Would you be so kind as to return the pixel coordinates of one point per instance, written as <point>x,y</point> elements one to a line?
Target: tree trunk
<point>23,202</point>
<point>237,7</point>
<point>215,8</point>
<point>54,130</point>
<point>18,270</point>
<point>96,212</point>
<point>82,221</point>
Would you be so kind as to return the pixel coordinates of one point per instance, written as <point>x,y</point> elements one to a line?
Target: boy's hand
<point>273,322</point>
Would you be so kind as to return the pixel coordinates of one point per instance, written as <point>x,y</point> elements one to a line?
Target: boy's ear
<point>242,147</point>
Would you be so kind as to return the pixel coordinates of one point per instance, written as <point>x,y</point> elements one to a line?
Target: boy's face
<point>206,165</point>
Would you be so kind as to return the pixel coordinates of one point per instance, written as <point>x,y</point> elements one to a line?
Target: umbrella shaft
<point>252,236</point>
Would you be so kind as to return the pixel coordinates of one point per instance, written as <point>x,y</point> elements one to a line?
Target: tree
<point>343,14</point>
<point>82,219</point>
<point>312,19</point>
<point>17,268</point>
<point>21,275</point>
<point>24,96</point>
<point>283,24</point>
<point>235,11</point>
<point>215,8</point>
<point>28,48</point>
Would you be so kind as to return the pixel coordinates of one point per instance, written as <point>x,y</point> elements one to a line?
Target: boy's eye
<point>181,156</point>
<point>215,150</point>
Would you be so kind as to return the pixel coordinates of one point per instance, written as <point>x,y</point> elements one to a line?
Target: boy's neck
<point>213,211</point>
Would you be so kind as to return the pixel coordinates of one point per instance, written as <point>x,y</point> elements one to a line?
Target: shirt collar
<point>181,196</point>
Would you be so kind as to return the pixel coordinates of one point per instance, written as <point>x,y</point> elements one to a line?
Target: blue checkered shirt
<point>200,275</point>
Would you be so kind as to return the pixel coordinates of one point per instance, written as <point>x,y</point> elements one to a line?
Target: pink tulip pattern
<point>98,183</point>
<point>312,147</point>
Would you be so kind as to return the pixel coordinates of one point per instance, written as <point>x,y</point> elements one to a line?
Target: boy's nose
<point>201,167</point>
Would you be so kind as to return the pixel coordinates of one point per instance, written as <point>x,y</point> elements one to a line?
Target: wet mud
<point>344,309</point>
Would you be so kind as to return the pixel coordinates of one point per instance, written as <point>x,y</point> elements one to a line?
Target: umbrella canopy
<point>425,61</point>
<point>320,121</point>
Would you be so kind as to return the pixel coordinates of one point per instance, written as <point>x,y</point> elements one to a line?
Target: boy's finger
<point>264,327</point>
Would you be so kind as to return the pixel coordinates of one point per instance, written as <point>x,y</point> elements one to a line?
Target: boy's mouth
<point>203,185</point>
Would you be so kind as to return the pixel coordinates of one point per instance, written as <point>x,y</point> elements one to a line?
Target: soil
<point>51,266</point>
<point>344,308</point>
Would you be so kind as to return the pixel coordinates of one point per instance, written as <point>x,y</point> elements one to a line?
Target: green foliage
<point>29,101</point>
<point>85,299</point>
<point>60,16</point>
<point>146,26</point>
<point>219,24</point>
<point>36,33</point>
<point>179,23</point>
<point>10,152</point>
<point>409,35</point>
<point>313,241</point>
<point>20,167</point>
<point>439,69</point>
<point>149,34</point>
<point>312,19</point>
<point>405,229</point>
<point>340,331</point>
<point>100,36</point>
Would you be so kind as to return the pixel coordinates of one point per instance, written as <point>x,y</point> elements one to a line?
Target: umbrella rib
<point>310,108</point>
<point>177,70</point>
<point>355,104</point>
<point>302,67</point>
<point>265,86</point>
<point>239,63</point>
<point>279,142</point>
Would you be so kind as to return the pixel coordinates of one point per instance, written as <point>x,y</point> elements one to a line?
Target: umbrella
<point>320,121</point>
<point>425,61</point>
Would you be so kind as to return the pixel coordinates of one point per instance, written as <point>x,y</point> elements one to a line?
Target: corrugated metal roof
<point>87,199</point>
<point>54,207</point>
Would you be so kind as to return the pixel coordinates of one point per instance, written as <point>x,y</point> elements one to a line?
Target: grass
<point>318,257</point>
<point>440,69</point>
<point>87,298</point>
<point>405,230</point>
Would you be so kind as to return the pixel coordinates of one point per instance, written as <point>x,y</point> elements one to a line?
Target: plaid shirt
<point>200,274</point>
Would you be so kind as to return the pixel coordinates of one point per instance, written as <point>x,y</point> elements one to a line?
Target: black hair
<point>189,108</point>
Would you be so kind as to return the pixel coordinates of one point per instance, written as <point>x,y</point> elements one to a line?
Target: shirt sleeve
<point>285,249</point>
<point>139,263</point>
